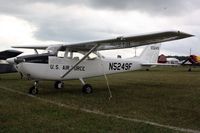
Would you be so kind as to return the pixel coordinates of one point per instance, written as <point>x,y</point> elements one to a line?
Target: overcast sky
<point>51,21</point>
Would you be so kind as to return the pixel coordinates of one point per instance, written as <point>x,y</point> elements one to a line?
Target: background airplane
<point>5,67</point>
<point>191,61</point>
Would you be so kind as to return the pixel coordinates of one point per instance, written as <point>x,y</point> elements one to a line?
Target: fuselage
<point>55,67</point>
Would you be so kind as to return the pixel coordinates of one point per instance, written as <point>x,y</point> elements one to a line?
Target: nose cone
<point>10,61</point>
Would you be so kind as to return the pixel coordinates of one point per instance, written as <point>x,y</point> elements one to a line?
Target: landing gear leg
<point>58,85</point>
<point>34,89</point>
<point>87,88</point>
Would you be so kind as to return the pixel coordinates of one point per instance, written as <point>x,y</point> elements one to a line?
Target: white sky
<point>42,22</point>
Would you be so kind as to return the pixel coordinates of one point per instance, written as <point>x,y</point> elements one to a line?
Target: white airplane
<point>50,66</point>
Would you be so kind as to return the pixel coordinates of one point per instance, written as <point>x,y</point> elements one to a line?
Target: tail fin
<point>150,53</point>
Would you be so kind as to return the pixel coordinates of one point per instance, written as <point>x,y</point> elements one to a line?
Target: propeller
<point>15,60</point>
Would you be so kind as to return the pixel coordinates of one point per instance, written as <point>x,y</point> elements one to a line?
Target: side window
<point>38,59</point>
<point>92,56</point>
<point>61,54</point>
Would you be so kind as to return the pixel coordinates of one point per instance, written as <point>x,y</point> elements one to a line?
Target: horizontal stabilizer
<point>158,64</point>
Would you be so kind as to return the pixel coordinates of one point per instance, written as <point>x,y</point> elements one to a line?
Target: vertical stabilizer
<point>150,54</point>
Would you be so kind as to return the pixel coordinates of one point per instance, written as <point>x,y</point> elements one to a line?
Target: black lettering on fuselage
<point>57,67</point>
<point>79,68</point>
<point>119,66</point>
<point>155,48</point>
<point>66,67</point>
<point>51,66</point>
<point>54,67</point>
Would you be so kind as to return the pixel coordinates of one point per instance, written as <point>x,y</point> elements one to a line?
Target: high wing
<point>119,42</point>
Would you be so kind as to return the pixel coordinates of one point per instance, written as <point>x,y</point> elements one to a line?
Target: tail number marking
<point>119,66</point>
<point>154,48</point>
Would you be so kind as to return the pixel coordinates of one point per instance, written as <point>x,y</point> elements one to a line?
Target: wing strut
<point>91,50</point>
<point>36,51</point>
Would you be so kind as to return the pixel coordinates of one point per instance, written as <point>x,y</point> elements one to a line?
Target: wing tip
<point>184,35</point>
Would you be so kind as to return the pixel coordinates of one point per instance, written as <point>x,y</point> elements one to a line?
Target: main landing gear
<point>34,89</point>
<point>87,88</point>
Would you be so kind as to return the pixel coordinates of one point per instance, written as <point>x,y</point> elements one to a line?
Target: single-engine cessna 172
<point>49,66</point>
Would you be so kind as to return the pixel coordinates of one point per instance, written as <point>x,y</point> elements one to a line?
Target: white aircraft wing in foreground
<point>50,66</point>
<point>119,42</point>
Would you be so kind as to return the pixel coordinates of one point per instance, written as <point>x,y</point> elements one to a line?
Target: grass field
<point>169,96</point>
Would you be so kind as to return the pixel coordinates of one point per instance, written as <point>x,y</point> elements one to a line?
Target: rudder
<point>150,53</point>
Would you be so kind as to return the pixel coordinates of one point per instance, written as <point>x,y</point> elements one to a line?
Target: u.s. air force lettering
<point>66,67</point>
<point>117,66</point>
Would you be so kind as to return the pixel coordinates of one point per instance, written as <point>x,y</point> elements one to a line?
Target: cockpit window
<point>92,56</point>
<point>61,54</point>
<point>41,58</point>
<point>38,59</point>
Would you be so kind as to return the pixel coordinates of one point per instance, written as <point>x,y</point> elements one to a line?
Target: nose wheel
<point>34,89</point>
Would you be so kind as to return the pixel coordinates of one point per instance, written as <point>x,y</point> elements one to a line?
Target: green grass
<point>162,95</point>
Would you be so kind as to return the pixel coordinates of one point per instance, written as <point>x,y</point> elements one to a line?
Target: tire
<point>87,89</point>
<point>33,90</point>
<point>58,85</point>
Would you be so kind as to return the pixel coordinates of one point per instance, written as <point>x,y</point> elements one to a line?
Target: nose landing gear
<point>34,89</point>
<point>58,85</point>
